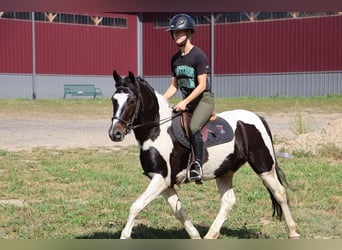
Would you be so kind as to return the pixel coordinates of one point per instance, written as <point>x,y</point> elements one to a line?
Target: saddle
<point>215,131</point>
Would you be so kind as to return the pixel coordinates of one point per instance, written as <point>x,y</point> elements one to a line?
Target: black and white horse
<point>138,107</point>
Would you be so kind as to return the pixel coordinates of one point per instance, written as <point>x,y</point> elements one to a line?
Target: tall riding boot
<point>196,166</point>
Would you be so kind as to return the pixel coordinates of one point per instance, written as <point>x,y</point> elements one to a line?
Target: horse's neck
<point>165,109</point>
<point>155,113</point>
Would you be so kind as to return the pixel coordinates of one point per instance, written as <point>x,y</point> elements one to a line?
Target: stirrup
<point>195,172</point>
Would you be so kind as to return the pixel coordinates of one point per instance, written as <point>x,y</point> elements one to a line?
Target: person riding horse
<point>189,67</point>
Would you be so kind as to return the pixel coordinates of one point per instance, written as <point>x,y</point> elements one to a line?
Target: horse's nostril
<point>115,135</point>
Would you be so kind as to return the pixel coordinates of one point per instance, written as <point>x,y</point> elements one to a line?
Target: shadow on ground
<point>145,232</point>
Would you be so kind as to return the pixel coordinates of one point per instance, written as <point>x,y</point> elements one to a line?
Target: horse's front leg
<point>154,189</point>
<point>171,196</point>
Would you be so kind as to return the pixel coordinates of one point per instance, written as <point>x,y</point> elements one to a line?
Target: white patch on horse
<point>250,118</point>
<point>121,98</point>
<point>163,142</point>
<point>217,155</point>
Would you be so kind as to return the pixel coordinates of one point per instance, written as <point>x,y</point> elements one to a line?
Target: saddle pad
<point>219,131</point>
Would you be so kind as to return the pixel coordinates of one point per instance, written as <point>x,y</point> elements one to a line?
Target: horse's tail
<point>277,211</point>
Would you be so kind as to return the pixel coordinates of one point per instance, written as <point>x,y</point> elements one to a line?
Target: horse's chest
<point>154,156</point>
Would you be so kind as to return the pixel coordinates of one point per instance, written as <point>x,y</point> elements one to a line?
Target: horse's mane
<point>146,91</point>
<point>143,82</point>
<point>162,100</point>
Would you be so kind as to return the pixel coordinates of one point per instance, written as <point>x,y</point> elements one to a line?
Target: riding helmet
<point>182,22</point>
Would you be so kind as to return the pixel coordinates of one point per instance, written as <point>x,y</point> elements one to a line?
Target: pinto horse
<point>138,107</point>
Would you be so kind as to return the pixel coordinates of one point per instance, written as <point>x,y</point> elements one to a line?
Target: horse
<point>139,108</point>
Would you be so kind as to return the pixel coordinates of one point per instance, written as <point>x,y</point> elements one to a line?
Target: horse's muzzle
<point>116,135</point>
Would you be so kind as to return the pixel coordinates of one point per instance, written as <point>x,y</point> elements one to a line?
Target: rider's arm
<point>172,89</point>
<point>202,83</point>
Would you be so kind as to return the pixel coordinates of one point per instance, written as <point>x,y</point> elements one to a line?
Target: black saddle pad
<point>219,131</point>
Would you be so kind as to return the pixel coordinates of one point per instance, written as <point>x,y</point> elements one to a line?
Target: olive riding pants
<point>202,112</point>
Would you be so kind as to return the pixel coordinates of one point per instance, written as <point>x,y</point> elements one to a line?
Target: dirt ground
<point>27,133</point>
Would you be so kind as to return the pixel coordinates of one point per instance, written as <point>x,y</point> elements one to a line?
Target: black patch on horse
<point>153,162</point>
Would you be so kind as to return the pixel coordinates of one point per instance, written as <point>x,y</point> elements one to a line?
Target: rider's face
<point>179,36</point>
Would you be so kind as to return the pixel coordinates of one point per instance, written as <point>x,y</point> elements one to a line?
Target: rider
<point>189,70</point>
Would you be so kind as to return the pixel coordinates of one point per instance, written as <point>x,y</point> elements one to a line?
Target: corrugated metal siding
<point>49,86</point>
<point>251,59</point>
<point>15,86</point>
<point>262,85</point>
<point>277,46</point>
<point>15,46</point>
<point>265,85</point>
<point>68,49</point>
<point>87,50</point>
<point>157,48</point>
<point>301,45</point>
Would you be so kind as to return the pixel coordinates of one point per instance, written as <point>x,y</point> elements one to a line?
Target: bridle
<point>129,124</point>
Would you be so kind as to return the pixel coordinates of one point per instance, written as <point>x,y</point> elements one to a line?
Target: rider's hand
<point>181,106</point>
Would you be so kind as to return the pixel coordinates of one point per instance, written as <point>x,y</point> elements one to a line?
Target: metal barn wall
<point>49,86</point>
<point>274,46</point>
<point>68,48</point>
<point>301,57</point>
<point>273,85</point>
<point>267,85</point>
<point>290,45</point>
<point>15,46</point>
<point>65,53</point>
<point>90,50</point>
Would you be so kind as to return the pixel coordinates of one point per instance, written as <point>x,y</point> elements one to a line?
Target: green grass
<point>102,108</point>
<point>50,108</point>
<point>87,194</point>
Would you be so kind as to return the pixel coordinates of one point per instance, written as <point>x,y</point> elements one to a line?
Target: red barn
<point>251,54</point>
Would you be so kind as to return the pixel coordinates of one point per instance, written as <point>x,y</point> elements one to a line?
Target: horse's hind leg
<point>224,185</point>
<point>171,196</point>
<point>278,191</point>
<point>154,189</point>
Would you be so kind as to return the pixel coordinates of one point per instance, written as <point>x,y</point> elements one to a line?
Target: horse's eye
<point>131,102</point>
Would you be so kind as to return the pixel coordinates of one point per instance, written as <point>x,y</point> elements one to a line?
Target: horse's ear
<point>116,77</point>
<point>131,76</point>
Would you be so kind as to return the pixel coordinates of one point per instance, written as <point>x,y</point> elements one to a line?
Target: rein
<point>130,126</point>
<point>162,121</point>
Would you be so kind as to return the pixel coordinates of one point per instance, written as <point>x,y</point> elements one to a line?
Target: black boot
<point>196,166</point>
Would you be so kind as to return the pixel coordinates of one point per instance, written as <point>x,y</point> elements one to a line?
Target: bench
<point>82,90</point>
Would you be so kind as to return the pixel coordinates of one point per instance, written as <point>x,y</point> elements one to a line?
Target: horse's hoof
<point>294,236</point>
<point>125,238</point>
<point>196,238</point>
<point>211,236</point>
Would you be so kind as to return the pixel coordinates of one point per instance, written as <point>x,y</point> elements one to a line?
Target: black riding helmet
<point>182,22</point>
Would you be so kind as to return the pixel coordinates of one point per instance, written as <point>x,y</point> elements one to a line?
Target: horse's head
<point>126,104</point>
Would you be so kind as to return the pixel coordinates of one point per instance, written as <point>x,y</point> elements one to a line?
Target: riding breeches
<point>202,112</point>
